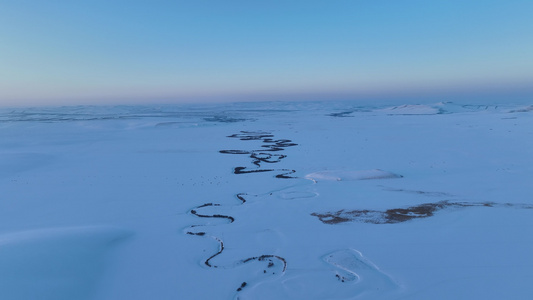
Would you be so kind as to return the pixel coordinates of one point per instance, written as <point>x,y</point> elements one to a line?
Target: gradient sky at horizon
<point>97,52</point>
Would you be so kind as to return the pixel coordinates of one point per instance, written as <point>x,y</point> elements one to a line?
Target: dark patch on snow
<point>220,249</point>
<point>251,135</point>
<point>347,113</point>
<point>224,119</point>
<point>240,197</point>
<point>196,233</point>
<point>344,114</point>
<point>242,286</point>
<point>195,212</point>
<point>234,152</point>
<point>479,107</point>
<point>268,258</point>
<point>286,175</point>
<point>398,215</point>
<point>522,110</point>
<point>423,193</point>
<point>242,170</point>
<point>342,278</point>
<point>262,156</point>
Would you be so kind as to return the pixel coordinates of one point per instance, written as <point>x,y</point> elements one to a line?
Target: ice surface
<point>273,200</point>
<point>351,175</point>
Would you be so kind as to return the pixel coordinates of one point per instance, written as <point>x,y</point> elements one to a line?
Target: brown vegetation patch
<point>398,215</point>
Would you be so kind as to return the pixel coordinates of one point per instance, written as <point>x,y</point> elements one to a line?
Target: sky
<point>114,51</point>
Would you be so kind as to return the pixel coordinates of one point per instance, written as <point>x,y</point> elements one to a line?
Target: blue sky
<point>97,52</point>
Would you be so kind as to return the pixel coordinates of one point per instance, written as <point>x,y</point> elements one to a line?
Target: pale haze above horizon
<point>100,52</point>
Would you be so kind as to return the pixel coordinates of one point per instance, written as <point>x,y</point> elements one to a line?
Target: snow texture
<point>273,200</point>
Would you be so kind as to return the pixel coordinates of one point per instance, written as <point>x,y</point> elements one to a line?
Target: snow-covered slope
<point>317,200</point>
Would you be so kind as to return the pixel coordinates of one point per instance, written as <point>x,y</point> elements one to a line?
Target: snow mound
<point>59,263</point>
<point>351,175</point>
<point>522,109</point>
<point>411,109</point>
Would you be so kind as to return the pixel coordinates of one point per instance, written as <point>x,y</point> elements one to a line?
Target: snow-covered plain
<point>317,200</point>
